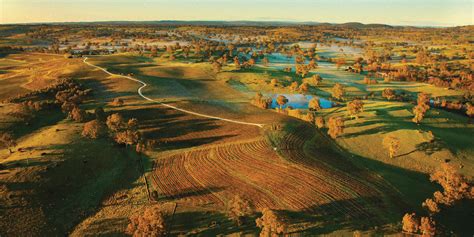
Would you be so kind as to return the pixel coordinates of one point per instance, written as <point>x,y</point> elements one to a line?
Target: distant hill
<point>361,25</point>
<point>220,23</point>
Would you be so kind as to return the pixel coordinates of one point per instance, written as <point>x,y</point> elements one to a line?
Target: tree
<point>294,86</point>
<point>238,208</point>
<point>392,143</point>
<point>319,121</point>
<point>77,114</point>
<point>336,126</point>
<point>410,223</point>
<point>115,122</point>
<point>419,112</point>
<point>455,186</point>
<point>431,205</point>
<point>150,223</point>
<point>313,80</point>
<point>127,137</point>
<point>313,104</point>
<point>7,141</point>
<point>94,129</point>
<point>470,110</point>
<point>270,223</point>
<point>355,107</point>
<point>428,226</point>
<point>281,100</point>
<point>274,82</point>
<point>132,124</point>
<point>117,102</point>
<point>423,98</point>
<point>422,106</point>
<point>388,93</point>
<point>304,87</point>
<point>261,101</point>
<point>338,91</point>
<point>309,117</point>
<point>67,107</point>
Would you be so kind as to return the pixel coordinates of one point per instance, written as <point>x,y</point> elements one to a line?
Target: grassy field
<point>60,183</point>
<point>188,168</point>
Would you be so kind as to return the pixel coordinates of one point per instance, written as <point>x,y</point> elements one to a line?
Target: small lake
<point>299,101</point>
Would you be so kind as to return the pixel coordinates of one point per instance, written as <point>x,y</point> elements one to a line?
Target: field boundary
<point>139,91</point>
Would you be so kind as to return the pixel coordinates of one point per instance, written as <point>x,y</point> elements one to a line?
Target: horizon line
<point>233,21</point>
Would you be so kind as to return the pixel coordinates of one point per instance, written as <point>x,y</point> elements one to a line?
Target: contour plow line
<point>167,105</point>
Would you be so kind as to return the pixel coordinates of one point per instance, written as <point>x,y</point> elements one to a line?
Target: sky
<point>393,12</point>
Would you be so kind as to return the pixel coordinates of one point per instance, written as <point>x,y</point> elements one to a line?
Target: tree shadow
<point>107,227</point>
<point>71,187</point>
<point>208,223</point>
<point>193,142</point>
<point>190,192</point>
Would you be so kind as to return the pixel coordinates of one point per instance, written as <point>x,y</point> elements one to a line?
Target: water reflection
<point>299,101</point>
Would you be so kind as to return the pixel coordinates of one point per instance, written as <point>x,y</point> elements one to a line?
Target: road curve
<point>167,105</point>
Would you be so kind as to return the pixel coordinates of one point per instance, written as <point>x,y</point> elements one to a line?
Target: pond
<point>299,101</point>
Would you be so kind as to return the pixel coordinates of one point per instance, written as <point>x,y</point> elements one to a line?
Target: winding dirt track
<point>167,105</point>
